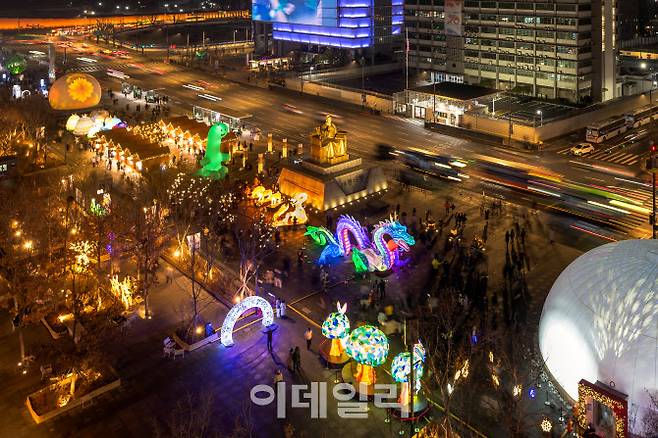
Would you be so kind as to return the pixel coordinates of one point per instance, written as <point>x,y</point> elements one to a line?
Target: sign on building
<point>453,20</point>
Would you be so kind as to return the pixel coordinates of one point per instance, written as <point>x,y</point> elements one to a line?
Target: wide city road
<point>614,168</point>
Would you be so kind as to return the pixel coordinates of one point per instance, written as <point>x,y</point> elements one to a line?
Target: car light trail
<point>86,59</point>
<point>630,207</point>
<point>209,97</point>
<point>593,233</point>
<point>618,210</point>
<point>633,182</point>
<point>193,87</point>
<point>546,192</point>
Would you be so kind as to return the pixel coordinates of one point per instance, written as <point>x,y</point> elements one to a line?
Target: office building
<point>349,24</point>
<point>559,49</point>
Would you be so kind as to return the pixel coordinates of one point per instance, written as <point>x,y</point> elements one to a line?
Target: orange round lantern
<point>74,91</point>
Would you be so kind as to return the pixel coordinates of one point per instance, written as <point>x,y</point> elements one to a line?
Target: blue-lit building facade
<point>348,24</point>
<point>359,22</point>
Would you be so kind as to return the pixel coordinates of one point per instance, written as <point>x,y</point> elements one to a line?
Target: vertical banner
<point>453,20</point>
<point>194,241</point>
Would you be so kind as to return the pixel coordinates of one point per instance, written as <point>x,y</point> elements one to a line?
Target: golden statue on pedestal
<point>328,145</point>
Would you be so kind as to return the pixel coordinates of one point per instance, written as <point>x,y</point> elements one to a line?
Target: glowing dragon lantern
<point>212,163</point>
<point>74,91</point>
<point>336,327</point>
<point>401,371</point>
<point>368,346</point>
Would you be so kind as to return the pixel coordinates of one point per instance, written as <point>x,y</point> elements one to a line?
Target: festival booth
<point>189,136</point>
<point>129,152</point>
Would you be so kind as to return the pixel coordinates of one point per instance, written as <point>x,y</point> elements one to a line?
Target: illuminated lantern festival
<point>74,91</point>
<point>336,327</point>
<point>368,346</point>
<point>16,64</point>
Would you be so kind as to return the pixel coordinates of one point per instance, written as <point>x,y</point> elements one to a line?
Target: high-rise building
<point>349,24</point>
<point>554,49</point>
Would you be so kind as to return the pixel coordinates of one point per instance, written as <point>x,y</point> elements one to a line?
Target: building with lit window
<point>375,25</point>
<point>348,24</point>
<point>554,49</point>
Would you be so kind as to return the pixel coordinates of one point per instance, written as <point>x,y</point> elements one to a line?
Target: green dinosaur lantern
<point>212,163</point>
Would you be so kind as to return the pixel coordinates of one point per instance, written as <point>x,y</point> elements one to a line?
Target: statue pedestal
<point>329,176</point>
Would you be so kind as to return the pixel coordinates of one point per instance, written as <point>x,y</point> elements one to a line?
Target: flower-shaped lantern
<point>368,346</point>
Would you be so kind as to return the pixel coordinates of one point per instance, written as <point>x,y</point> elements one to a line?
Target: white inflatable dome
<point>600,322</point>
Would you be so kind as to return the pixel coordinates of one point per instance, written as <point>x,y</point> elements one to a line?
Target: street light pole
<point>363,77</point>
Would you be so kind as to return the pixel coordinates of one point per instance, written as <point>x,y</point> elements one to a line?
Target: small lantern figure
<point>261,162</point>
<point>401,372</point>
<point>336,327</point>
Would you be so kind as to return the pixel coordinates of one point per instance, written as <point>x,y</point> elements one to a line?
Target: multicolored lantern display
<point>336,327</point>
<point>368,346</point>
<point>74,91</point>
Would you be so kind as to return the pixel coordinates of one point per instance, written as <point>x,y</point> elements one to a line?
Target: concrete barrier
<point>74,403</point>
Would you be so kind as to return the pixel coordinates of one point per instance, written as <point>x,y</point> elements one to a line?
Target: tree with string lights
<point>444,332</point>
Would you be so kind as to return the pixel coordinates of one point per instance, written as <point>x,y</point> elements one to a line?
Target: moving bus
<point>442,166</point>
<point>642,116</point>
<point>606,129</point>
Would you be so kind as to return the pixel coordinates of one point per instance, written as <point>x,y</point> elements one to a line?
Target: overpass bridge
<point>121,20</point>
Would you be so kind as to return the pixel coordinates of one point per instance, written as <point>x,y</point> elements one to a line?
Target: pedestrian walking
<point>269,340</point>
<point>308,335</point>
<point>297,360</point>
<point>382,289</point>
<point>277,308</point>
<point>284,308</point>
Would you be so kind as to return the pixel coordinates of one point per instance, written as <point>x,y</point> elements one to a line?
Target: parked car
<point>582,149</point>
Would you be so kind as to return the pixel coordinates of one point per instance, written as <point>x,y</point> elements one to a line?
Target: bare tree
<point>146,239</point>
<point>449,353</point>
<point>254,240</point>
<point>514,366</point>
<point>192,417</point>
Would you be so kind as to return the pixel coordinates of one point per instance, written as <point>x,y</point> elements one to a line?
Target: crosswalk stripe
<point>632,158</point>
